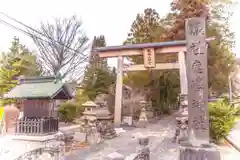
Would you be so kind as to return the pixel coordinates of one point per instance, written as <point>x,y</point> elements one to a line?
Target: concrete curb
<point>71,127</point>
<point>231,142</point>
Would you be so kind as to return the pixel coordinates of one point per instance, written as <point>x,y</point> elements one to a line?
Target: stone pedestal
<point>143,115</point>
<point>182,120</point>
<point>94,136</point>
<point>115,156</point>
<point>143,149</point>
<point>204,152</point>
<point>127,121</point>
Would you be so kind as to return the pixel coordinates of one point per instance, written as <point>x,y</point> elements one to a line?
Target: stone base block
<point>115,156</point>
<point>141,124</point>
<point>181,140</point>
<point>204,152</point>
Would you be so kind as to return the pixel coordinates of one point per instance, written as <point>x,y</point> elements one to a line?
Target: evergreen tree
<point>220,57</point>
<point>149,27</point>
<point>98,77</point>
<point>20,58</point>
<point>18,61</point>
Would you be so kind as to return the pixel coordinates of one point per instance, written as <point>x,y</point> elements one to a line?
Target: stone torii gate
<point>148,51</point>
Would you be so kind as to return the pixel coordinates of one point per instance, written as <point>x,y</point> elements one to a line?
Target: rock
<point>106,129</point>
<point>66,135</point>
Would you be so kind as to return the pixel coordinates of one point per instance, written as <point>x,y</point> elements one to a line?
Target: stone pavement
<point>160,136</point>
<point>12,149</point>
<point>229,153</point>
<point>160,143</point>
<point>11,146</point>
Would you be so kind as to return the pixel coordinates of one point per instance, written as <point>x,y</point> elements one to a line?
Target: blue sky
<point>108,17</point>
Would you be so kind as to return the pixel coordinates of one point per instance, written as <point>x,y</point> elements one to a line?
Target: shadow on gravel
<point>81,154</point>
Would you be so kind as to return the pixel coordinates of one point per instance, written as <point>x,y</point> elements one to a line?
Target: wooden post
<point>118,94</point>
<point>197,70</point>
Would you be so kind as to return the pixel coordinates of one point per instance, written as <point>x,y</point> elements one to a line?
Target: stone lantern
<point>89,123</point>
<point>99,117</point>
<point>143,115</point>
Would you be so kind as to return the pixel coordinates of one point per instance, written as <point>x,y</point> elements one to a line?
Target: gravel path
<point>160,136</point>
<point>160,143</point>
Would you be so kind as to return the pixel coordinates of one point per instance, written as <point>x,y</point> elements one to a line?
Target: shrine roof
<point>40,87</point>
<point>145,45</point>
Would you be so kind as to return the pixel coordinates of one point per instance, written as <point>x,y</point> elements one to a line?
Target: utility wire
<point>29,27</point>
<point>31,35</point>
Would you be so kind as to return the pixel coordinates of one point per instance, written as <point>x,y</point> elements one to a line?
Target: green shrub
<point>68,111</point>
<point>237,111</point>
<point>222,119</point>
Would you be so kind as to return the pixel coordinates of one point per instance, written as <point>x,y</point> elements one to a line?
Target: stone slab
<point>34,138</point>
<point>115,156</point>
<point>203,152</point>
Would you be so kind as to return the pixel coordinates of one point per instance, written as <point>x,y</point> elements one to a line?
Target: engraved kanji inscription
<point>197,67</point>
<point>199,123</point>
<point>195,47</point>
<point>197,79</point>
<point>196,29</point>
<point>197,82</point>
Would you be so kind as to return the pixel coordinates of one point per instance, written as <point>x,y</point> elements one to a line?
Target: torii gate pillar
<point>118,94</point>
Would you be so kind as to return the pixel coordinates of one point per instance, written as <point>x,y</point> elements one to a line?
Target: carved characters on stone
<point>197,67</point>
<point>196,29</point>
<point>197,78</point>
<point>194,47</point>
<point>200,123</point>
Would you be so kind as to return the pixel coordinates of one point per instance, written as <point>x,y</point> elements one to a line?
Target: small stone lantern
<point>143,115</point>
<point>102,119</point>
<point>89,123</point>
<point>89,106</point>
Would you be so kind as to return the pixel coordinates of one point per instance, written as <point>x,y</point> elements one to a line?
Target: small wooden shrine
<point>38,96</point>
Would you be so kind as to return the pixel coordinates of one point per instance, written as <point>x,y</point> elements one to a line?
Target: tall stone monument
<point>197,81</point>
<point>198,145</point>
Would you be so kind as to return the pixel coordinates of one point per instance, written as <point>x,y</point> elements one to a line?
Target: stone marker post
<point>197,81</point>
<point>198,146</point>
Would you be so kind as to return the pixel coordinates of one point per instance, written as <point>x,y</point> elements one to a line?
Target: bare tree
<point>62,47</point>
